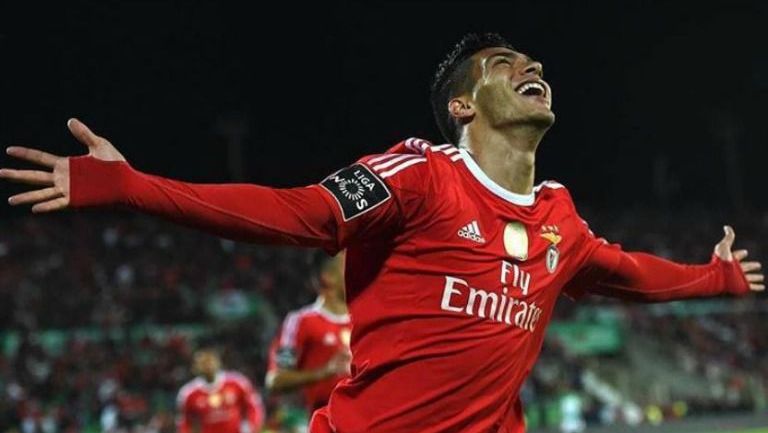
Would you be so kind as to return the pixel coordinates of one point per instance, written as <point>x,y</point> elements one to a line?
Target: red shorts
<point>320,423</point>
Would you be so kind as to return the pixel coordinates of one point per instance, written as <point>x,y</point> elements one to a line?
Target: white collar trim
<point>512,197</point>
<point>211,386</point>
<point>335,318</point>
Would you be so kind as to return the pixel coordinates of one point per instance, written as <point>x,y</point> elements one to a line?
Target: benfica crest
<point>516,240</point>
<point>552,234</point>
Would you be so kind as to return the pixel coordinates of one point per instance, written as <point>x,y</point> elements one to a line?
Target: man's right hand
<point>54,193</point>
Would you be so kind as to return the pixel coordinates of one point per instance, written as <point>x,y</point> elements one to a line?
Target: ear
<point>461,109</point>
<point>323,280</point>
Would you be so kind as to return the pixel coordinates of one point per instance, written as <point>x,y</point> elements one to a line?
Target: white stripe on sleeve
<point>392,162</point>
<point>402,166</point>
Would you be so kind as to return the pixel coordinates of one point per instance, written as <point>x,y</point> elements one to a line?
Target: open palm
<point>53,177</point>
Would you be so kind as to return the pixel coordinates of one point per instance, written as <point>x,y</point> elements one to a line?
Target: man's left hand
<point>751,270</point>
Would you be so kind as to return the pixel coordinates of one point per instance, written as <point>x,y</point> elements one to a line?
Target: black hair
<point>318,262</point>
<point>454,77</point>
<point>210,346</point>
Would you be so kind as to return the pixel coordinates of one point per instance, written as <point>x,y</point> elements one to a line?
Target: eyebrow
<point>511,55</point>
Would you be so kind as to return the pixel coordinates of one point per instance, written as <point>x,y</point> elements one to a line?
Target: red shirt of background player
<point>228,405</point>
<point>308,339</point>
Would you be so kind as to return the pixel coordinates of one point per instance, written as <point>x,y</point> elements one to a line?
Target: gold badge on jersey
<point>214,400</point>
<point>552,234</point>
<point>516,240</point>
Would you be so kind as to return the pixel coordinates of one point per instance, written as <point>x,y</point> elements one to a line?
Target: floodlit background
<point>660,137</point>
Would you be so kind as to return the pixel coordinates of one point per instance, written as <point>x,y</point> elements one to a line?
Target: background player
<point>218,401</point>
<point>311,352</point>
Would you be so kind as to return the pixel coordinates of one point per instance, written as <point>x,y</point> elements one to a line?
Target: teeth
<point>533,85</point>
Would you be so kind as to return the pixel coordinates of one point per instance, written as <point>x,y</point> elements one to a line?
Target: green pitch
<point>759,430</point>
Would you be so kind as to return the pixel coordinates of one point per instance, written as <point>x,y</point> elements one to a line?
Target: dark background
<point>658,105</point>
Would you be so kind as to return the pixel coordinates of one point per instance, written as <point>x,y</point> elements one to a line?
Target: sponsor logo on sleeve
<point>357,190</point>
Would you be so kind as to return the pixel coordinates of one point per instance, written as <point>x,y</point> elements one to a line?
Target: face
<point>206,363</point>
<point>332,277</point>
<point>510,89</point>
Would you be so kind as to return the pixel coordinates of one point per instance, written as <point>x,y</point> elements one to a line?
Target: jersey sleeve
<point>366,200</point>
<point>378,196</point>
<point>587,275</point>
<point>183,411</point>
<point>286,349</point>
<point>251,404</point>
<point>647,278</point>
<point>607,270</point>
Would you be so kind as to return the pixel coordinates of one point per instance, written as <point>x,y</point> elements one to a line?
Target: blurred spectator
<point>100,314</point>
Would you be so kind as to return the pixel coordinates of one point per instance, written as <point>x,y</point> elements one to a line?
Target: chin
<point>543,118</point>
<point>538,116</point>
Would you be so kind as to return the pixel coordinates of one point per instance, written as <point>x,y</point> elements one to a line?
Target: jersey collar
<point>332,317</point>
<point>488,183</point>
<point>212,386</point>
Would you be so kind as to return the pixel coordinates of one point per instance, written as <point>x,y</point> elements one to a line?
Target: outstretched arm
<point>290,379</point>
<point>647,278</point>
<point>297,216</point>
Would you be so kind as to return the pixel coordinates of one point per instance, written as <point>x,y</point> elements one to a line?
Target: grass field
<point>666,428</point>
<point>758,430</point>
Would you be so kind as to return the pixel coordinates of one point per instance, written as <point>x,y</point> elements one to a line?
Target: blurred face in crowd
<point>332,277</point>
<point>206,363</point>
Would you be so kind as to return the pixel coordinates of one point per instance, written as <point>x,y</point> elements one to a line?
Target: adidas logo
<point>471,231</point>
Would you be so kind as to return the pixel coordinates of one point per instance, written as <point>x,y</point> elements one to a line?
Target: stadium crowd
<point>93,310</point>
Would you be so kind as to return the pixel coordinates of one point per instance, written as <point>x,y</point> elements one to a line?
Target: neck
<point>506,156</point>
<point>332,304</point>
<point>210,378</point>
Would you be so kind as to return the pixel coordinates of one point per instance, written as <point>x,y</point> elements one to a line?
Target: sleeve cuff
<point>734,281</point>
<point>93,182</point>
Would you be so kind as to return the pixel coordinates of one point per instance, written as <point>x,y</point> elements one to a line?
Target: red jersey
<point>228,405</point>
<point>451,279</point>
<point>308,339</point>
<point>446,334</point>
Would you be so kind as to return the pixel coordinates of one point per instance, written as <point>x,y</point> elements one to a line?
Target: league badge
<point>357,190</point>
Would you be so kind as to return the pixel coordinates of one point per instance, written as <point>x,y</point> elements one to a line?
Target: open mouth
<point>532,88</point>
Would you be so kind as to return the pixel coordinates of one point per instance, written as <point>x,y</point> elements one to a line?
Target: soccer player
<point>311,352</point>
<point>218,401</point>
<point>454,258</point>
